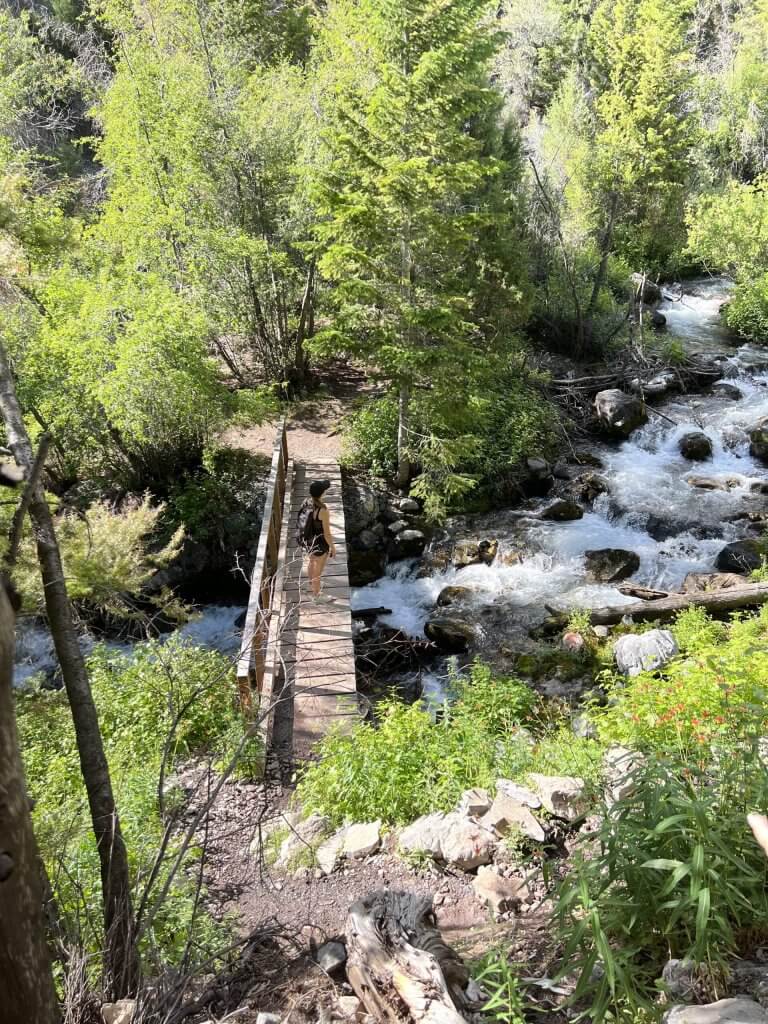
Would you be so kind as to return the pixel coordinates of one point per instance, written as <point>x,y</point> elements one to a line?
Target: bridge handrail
<point>251,664</point>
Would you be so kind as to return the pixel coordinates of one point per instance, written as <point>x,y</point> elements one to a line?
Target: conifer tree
<point>411,218</point>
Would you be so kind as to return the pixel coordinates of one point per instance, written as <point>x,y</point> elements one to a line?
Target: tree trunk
<point>403,461</point>
<point>27,992</point>
<point>605,249</point>
<point>664,608</point>
<point>121,966</point>
<point>398,964</point>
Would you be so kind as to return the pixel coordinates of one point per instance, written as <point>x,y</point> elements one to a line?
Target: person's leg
<point>316,566</point>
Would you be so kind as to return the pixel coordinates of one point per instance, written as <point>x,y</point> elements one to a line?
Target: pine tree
<point>412,193</point>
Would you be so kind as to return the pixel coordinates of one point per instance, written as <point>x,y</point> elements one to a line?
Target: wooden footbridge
<point>297,658</point>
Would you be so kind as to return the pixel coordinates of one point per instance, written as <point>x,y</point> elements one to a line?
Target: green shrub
<point>371,437</point>
<point>746,312</point>
<point>713,698</point>
<point>673,871</point>
<point>170,694</point>
<point>407,765</point>
<point>498,979</point>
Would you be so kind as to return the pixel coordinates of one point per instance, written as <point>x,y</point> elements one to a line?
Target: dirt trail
<point>314,424</point>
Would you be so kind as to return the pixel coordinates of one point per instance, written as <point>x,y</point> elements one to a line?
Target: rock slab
<point>450,838</point>
<point>361,840</point>
<point>506,814</point>
<point>618,412</point>
<point>562,795</point>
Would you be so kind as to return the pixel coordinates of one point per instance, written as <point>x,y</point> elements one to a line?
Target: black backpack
<point>305,527</point>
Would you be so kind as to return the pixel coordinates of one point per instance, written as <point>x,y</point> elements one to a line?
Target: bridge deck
<point>317,653</point>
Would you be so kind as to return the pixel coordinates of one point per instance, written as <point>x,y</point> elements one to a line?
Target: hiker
<point>315,536</point>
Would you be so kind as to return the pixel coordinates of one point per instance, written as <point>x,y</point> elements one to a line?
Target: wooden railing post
<point>251,664</point>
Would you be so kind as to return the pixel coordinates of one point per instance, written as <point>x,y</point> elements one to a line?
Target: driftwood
<point>716,601</point>
<point>398,964</point>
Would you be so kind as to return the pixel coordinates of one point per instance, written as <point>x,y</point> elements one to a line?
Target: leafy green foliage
<point>108,556</point>
<point>712,698</point>
<point>406,764</point>
<point>164,703</point>
<point>672,871</point>
<point>497,977</point>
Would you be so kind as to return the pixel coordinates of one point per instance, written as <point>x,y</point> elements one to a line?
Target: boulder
<point>645,290</point>
<point>620,767</point>
<point>474,803</point>
<point>695,446</point>
<point>563,510</point>
<point>451,839</point>
<point>741,556</point>
<point>523,795</point>
<point>562,795</point>
<point>453,595</point>
<point>409,506</point>
<point>507,814</point>
<point>409,544</point>
<point>619,413</point>
<point>644,652</point>
<point>706,582</point>
<point>120,1012</point>
<point>451,635</point>
<point>758,441</point>
<point>726,1011</point>
<point>332,957</point>
<point>609,565</point>
<point>363,505</point>
<point>538,467</point>
<point>726,390</point>
<point>361,840</point>
<point>498,893</point>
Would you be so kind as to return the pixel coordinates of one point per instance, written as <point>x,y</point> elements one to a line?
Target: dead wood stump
<point>398,964</point>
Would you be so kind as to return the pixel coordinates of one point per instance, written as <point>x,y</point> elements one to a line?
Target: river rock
<point>609,565</point>
<point>726,390</point>
<point>450,838</point>
<point>695,446</point>
<point>562,795</point>
<point>498,893</point>
<point>563,510</point>
<point>645,290</point>
<point>409,506</point>
<point>726,1011</point>
<point>362,839</point>
<point>573,642</point>
<point>474,552</point>
<point>618,412</point>
<point>758,441</point>
<point>644,652</point>
<point>538,467</point>
<point>590,486</point>
<point>507,814</point>
<point>741,556</point>
<point>706,582</point>
<point>451,635</point>
<point>368,540</point>
<point>409,544</point>
<point>453,595</point>
<point>332,957</point>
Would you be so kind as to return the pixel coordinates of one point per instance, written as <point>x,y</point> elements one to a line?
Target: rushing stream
<point>650,509</point>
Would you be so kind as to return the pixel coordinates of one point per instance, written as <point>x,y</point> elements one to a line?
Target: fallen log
<point>643,593</point>
<point>400,968</point>
<point>370,613</point>
<point>717,601</point>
